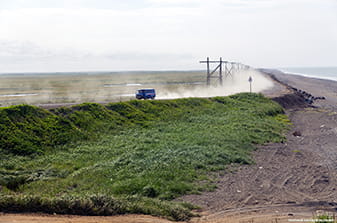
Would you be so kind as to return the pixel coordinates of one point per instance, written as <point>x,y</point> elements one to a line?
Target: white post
<point>250,79</point>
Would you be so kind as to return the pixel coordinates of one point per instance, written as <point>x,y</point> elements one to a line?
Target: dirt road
<point>248,217</point>
<point>43,218</point>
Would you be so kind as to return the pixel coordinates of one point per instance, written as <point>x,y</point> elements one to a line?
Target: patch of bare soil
<point>43,218</point>
<point>302,171</point>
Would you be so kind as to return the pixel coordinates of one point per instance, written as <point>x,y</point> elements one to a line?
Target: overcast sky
<point>94,35</point>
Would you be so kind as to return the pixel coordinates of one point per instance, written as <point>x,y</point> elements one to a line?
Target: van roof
<point>149,89</point>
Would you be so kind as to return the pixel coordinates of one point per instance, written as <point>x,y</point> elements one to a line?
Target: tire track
<point>291,174</point>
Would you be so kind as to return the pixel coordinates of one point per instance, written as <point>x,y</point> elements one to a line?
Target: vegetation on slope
<point>128,157</point>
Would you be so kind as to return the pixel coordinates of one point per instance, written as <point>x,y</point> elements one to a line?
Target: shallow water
<point>329,73</point>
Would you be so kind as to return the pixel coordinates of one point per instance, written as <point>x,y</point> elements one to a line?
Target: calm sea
<point>319,72</point>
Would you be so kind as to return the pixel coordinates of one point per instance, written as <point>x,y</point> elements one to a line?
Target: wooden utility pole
<point>220,72</point>
<point>217,68</point>
<point>228,70</point>
<point>208,73</point>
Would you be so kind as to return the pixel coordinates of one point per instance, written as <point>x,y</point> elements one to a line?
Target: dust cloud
<point>236,83</point>
<point>101,88</point>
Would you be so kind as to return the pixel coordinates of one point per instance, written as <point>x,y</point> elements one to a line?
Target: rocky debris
<point>306,96</point>
<point>297,133</point>
<point>309,98</point>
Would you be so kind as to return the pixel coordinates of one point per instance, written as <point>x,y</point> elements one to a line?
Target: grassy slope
<point>137,155</point>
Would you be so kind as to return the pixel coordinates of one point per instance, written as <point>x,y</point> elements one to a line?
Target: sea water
<point>318,72</point>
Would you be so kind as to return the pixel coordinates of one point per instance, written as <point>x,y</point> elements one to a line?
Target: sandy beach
<point>290,180</point>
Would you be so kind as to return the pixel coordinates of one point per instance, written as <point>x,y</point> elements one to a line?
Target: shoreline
<point>328,72</point>
<point>311,76</point>
<point>314,86</point>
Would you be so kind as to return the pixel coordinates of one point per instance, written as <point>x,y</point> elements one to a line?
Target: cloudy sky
<point>93,35</point>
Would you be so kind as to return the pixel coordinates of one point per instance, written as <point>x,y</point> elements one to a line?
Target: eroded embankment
<point>295,98</point>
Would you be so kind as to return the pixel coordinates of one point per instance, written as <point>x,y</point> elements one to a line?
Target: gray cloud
<point>26,56</point>
<point>152,34</point>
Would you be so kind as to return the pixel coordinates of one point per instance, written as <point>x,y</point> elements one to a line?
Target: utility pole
<point>220,72</point>
<point>208,73</point>
<point>228,69</point>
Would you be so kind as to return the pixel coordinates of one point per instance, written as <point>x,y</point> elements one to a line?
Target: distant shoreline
<point>312,76</point>
<point>327,73</point>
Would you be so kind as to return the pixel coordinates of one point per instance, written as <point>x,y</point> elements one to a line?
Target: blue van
<point>146,94</point>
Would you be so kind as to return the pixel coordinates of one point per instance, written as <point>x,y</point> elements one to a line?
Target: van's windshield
<point>146,91</point>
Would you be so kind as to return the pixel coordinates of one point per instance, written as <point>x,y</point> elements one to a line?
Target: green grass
<point>325,218</point>
<point>96,205</point>
<point>138,154</point>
